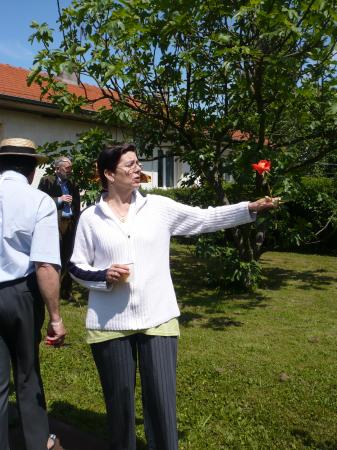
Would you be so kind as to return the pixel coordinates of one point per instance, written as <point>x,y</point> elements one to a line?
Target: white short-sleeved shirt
<point>28,227</point>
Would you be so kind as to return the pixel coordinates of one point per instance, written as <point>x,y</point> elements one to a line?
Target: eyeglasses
<point>131,167</point>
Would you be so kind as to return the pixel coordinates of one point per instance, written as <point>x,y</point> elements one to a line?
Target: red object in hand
<point>50,341</point>
<point>262,166</point>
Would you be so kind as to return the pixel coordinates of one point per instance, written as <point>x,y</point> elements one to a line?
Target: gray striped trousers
<point>116,362</point>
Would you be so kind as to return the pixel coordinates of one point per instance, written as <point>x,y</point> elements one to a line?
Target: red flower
<point>262,166</point>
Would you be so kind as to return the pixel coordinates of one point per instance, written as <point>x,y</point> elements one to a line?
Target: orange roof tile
<point>242,136</point>
<point>13,83</point>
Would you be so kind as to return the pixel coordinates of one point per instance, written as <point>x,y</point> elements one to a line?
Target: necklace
<point>121,217</point>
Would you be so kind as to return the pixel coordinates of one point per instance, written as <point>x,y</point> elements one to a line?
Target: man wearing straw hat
<point>29,278</point>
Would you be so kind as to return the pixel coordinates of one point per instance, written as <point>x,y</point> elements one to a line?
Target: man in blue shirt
<point>29,279</point>
<point>66,195</point>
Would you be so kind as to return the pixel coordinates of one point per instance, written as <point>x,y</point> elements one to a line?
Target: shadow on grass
<point>190,281</point>
<point>308,441</point>
<point>276,278</point>
<point>87,421</point>
<point>75,428</point>
<point>206,307</point>
<point>90,422</point>
<point>189,319</point>
<point>203,306</point>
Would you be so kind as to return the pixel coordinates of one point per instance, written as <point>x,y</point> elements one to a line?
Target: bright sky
<point>15,19</point>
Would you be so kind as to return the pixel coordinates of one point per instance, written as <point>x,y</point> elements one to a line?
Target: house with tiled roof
<point>39,118</point>
<point>23,113</point>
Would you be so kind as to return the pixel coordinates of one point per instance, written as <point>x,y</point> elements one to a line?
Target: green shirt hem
<point>170,328</point>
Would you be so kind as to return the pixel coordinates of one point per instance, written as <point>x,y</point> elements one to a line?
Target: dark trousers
<point>4,390</point>
<point>67,234</point>
<point>116,361</point>
<point>21,319</point>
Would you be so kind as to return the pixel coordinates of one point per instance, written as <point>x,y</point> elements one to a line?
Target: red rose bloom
<point>262,166</point>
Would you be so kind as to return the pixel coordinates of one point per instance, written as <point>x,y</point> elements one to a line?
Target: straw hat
<point>20,147</point>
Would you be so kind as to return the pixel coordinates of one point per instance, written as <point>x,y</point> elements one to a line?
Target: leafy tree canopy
<point>226,83</point>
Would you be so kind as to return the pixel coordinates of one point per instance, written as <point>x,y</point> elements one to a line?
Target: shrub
<point>224,268</point>
<point>194,196</point>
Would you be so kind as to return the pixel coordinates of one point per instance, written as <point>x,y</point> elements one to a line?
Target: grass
<point>255,371</point>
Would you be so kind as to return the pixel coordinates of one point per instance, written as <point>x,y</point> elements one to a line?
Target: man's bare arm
<point>48,280</point>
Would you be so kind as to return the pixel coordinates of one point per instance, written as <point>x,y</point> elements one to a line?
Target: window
<point>165,170</point>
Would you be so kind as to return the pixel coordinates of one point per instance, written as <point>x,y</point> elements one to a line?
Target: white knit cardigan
<point>101,240</point>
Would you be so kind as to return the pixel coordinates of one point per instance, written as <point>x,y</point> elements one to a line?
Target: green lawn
<point>254,371</point>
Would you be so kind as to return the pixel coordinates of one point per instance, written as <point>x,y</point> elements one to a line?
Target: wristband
<point>57,322</point>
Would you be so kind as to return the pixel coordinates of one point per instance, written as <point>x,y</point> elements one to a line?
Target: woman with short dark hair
<point>121,254</point>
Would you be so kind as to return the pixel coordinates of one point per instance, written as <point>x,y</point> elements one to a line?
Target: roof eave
<point>19,103</point>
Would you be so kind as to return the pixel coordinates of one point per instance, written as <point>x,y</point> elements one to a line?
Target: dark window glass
<point>160,169</point>
<point>169,171</point>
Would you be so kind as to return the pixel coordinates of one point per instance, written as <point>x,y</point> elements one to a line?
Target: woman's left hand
<point>117,272</point>
<point>264,204</point>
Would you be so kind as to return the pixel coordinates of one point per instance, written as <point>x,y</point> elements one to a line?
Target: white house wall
<point>43,128</point>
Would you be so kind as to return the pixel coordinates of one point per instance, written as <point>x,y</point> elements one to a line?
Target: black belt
<point>8,283</point>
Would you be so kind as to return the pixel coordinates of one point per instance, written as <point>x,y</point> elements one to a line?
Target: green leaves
<point>226,84</point>
<point>43,33</point>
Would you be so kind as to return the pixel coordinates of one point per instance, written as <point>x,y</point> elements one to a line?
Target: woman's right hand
<point>116,273</point>
<point>264,204</point>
